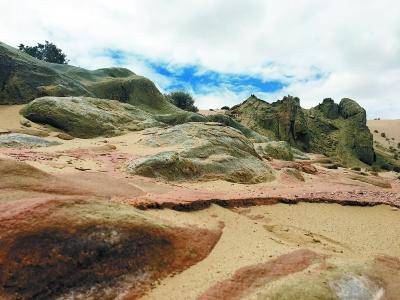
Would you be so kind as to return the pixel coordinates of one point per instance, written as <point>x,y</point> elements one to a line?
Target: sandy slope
<point>258,234</point>
<point>391,128</point>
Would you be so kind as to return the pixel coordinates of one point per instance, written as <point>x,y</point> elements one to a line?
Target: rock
<point>24,140</point>
<point>205,151</point>
<point>64,136</point>
<point>292,174</point>
<point>88,117</point>
<point>300,155</point>
<point>85,248</point>
<point>282,120</point>
<point>26,123</point>
<point>328,108</point>
<point>275,149</point>
<point>330,166</point>
<point>24,78</point>
<point>309,169</point>
<point>335,130</point>
<point>247,132</point>
<point>377,181</point>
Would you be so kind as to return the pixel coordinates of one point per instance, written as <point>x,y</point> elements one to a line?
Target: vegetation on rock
<point>88,117</point>
<point>336,130</point>
<point>182,100</point>
<point>206,151</point>
<point>47,52</point>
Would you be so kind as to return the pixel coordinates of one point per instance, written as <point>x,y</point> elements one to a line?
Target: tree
<point>182,100</point>
<point>47,52</point>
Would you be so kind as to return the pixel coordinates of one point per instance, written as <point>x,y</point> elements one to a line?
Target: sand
<point>258,234</point>
<point>252,236</point>
<point>391,128</point>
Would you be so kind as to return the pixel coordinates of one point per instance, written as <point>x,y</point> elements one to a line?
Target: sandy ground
<point>391,128</point>
<point>258,234</point>
<point>252,235</point>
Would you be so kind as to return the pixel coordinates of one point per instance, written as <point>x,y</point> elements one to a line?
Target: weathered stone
<point>88,117</point>
<point>275,149</point>
<point>337,131</point>
<point>205,151</point>
<point>24,141</point>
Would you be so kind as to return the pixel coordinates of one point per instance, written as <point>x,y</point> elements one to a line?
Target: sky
<point>222,51</point>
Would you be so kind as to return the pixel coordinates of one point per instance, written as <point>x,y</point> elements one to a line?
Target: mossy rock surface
<point>275,149</point>
<point>88,117</point>
<point>335,130</point>
<point>204,151</point>
<point>246,131</point>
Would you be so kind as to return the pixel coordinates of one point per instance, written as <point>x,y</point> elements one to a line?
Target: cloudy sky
<point>224,50</point>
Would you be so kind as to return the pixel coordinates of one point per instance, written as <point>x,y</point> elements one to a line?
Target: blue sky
<point>224,50</point>
<point>197,80</point>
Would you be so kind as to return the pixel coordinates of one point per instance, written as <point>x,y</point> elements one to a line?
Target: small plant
<point>225,107</point>
<point>383,134</point>
<point>376,131</point>
<point>182,100</point>
<point>47,52</point>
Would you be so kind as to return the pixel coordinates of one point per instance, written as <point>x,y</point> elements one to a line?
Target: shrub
<point>376,131</point>
<point>227,108</point>
<point>383,134</point>
<point>182,100</point>
<point>46,52</point>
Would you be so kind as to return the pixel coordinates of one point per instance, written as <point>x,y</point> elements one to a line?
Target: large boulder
<point>281,120</point>
<point>24,141</point>
<point>335,130</point>
<point>228,121</point>
<point>202,151</point>
<point>275,149</point>
<point>85,249</point>
<point>88,117</point>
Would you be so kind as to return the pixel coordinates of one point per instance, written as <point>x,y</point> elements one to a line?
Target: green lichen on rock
<point>335,130</point>
<point>228,121</point>
<point>205,151</point>
<point>275,149</point>
<point>282,120</point>
<point>88,117</point>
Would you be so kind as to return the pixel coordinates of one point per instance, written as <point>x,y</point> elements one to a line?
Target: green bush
<point>46,52</point>
<point>182,100</point>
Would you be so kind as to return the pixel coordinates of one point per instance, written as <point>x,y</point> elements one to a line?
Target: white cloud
<point>357,43</point>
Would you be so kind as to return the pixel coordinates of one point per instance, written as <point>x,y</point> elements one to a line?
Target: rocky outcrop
<point>88,117</point>
<point>275,149</point>
<point>247,132</point>
<point>24,141</point>
<point>203,151</point>
<point>335,130</point>
<point>345,137</point>
<point>92,250</point>
<point>24,78</point>
<point>282,120</point>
